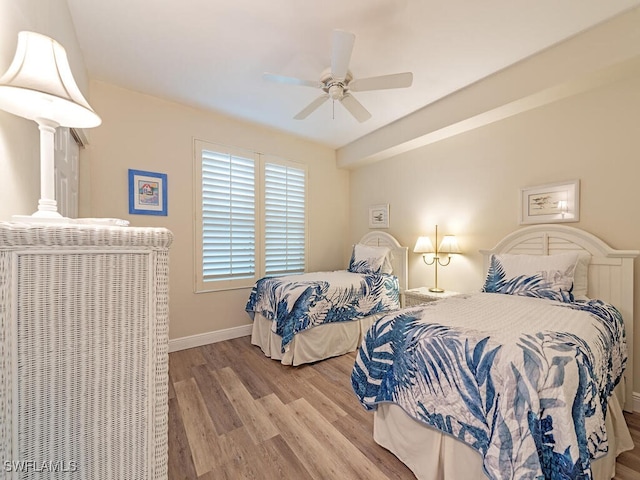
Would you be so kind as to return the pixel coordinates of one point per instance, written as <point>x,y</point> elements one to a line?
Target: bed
<point>539,395</point>
<point>306,334</point>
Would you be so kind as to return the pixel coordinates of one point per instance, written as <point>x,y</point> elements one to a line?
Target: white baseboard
<point>192,341</point>
<point>636,402</point>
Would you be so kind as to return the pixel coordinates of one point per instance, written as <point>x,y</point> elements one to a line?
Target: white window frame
<point>200,284</point>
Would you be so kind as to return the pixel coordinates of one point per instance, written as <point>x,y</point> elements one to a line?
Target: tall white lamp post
<point>39,86</point>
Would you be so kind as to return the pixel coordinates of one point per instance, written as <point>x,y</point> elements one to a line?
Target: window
<point>250,217</point>
<point>284,232</point>
<point>228,216</point>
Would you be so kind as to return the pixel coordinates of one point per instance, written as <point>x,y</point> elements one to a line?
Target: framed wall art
<point>551,203</point>
<point>147,193</point>
<point>379,216</point>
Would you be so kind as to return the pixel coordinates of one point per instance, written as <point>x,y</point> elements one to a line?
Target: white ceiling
<point>212,53</point>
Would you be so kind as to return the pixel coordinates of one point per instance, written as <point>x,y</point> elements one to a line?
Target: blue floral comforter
<point>298,302</point>
<point>524,381</point>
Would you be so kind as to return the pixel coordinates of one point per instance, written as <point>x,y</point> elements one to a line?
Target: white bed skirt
<point>317,343</point>
<point>433,455</point>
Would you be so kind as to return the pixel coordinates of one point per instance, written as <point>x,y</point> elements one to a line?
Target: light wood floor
<point>235,414</point>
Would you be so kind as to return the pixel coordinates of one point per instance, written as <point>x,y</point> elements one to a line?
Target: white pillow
<point>581,277</point>
<point>370,259</point>
<point>543,276</point>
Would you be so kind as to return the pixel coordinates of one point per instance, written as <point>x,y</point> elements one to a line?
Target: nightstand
<point>418,296</point>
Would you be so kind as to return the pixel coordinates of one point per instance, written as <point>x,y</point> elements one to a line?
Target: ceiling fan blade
<point>342,46</point>
<point>396,80</point>
<point>355,108</point>
<point>271,77</point>
<point>313,106</point>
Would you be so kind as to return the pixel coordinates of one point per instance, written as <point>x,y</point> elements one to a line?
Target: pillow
<point>581,276</point>
<point>541,276</point>
<point>368,259</point>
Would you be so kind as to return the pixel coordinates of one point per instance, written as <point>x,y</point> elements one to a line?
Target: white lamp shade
<point>423,245</point>
<point>449,244</point>
<point>39,85</point>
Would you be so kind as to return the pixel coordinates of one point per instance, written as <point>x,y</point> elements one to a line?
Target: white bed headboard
<point>610,271</point>
<point>399,254</point>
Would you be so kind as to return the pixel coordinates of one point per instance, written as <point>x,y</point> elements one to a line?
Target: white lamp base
<point>47,212</point>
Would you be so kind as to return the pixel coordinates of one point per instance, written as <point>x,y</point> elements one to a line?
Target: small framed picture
<point>147,193</point>
<point>555,202</point>
<point>379,216</point>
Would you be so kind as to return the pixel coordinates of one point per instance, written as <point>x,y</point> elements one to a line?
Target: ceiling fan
<point>337,82</point>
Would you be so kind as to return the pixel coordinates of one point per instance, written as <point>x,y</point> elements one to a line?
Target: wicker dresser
<point>83,352</point>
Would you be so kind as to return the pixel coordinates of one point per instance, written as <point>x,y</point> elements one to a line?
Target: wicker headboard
<point>399,254</point>
<point>610,275</point>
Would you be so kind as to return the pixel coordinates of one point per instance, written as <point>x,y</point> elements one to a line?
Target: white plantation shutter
<point>250,217</point>
<point>284,221</point>
<point>228,216</point>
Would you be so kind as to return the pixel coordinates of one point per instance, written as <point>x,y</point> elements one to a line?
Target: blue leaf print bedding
<point>542,284</point>
<point>524,381</point>
<point>297,302</point>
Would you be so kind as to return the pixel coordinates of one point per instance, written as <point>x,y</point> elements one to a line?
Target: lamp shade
<point>449,244</point>
<point>423,245</point>
<point>39,85</point>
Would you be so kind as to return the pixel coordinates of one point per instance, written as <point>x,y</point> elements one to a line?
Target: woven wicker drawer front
<point>84,323</point>
<point>85,387</point>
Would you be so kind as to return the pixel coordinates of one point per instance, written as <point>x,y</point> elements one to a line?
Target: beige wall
<point>147,133</point>
<point>469,184</point>
<point>19,138</point>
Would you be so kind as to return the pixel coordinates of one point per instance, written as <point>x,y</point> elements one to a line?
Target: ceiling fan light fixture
<point>336,91</point>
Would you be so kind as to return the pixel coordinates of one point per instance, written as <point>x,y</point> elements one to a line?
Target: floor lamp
<point>39,86</point>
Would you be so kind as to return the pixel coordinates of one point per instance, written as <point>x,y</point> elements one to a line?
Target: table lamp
<point>39,86</point>
<point>448,246</point>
